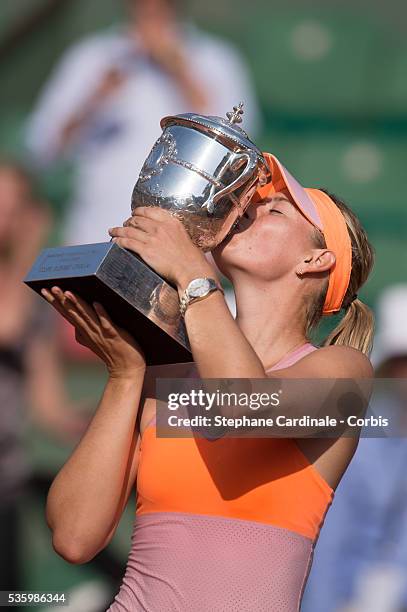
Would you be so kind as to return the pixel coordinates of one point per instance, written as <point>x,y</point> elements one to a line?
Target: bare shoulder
<point>346,360</point>
<point>332,361</point>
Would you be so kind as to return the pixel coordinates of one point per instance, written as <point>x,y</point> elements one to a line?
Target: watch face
<point>198,287</point>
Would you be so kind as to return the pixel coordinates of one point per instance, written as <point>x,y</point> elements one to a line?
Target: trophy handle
<point>251,162</point>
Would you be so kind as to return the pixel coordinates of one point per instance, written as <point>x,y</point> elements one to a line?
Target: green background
<point>332,83</point>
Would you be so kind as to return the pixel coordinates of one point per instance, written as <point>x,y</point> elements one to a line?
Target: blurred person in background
<point>360,562</point>
<point>30,375</point>
<point>103,104</point>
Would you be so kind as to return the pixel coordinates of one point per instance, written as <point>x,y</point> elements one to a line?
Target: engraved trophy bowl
<point>204,170</point>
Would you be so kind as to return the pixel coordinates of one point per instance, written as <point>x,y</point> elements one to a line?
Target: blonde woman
<point>227,524</point>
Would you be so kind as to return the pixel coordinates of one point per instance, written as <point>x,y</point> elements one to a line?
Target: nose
<point>255,210</point>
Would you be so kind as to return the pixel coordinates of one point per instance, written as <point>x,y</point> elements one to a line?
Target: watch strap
<point>186,299</point>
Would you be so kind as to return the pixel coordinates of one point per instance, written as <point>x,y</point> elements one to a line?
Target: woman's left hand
<point>163,243</point>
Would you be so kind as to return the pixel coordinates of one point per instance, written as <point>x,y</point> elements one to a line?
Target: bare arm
<point>88,495</point>
<point>111,82</point>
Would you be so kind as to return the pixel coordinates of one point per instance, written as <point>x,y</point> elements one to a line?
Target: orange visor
<point>320,210</point>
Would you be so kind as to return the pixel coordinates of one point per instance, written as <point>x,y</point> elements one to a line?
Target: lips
<point>243,224</point>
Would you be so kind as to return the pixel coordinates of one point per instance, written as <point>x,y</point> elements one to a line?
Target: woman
<point>227,524</point>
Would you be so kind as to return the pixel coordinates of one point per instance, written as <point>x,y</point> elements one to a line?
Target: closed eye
<point>274,210</point>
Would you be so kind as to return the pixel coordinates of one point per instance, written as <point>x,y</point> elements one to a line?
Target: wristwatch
<point>197,290</point>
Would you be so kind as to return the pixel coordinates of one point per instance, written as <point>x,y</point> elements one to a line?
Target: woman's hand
<point>94,329</point>
<point>163,243</point>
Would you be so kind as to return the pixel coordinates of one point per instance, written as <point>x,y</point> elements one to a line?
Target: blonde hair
<point>356,328</point>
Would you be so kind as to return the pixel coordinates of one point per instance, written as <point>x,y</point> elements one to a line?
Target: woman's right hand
<point>95,330</point>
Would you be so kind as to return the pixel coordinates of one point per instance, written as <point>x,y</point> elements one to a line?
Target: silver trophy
<point>202,169</point>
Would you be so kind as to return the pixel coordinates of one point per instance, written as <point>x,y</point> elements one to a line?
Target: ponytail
<point>357,325</point>
<point>355,329</point>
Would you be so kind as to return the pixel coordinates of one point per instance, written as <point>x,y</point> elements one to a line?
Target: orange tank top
<point>225,524</point>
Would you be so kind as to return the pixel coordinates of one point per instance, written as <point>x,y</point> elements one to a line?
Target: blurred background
<point>83,86</point>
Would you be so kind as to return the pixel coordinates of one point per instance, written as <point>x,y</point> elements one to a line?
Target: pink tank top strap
<point>293,356</point>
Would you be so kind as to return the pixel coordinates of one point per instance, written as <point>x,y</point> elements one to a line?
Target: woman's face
<point>270,241</point>
<point>160,11</point>
<point>13,197</point>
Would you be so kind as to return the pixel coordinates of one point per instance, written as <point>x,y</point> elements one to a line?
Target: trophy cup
<point>202,169</point>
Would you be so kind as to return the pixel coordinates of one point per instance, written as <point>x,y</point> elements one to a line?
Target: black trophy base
<point>135,297</point>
